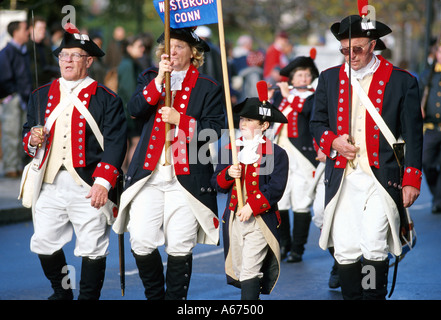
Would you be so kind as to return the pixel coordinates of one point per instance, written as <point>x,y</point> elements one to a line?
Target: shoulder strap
<point>83,110</point>
<point>373,112</point>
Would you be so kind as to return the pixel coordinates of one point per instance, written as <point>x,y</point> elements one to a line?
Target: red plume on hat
<point>313,53</point>
<point>363,8</point>
<point>70,27</point>
<point>262,91</point>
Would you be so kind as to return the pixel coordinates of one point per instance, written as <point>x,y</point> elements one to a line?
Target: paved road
<point>419,277</point>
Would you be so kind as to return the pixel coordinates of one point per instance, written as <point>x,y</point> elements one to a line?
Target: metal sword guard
<point>38,128</point>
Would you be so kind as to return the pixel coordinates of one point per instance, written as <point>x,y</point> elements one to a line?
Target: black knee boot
<point>300,232</point>
<point>250,289</point>
<point>350,280</point>
<point>151,272</point>
<point>52,267</point>
<point>178,277</point>
<point>92,278</point>
<point>375,279</point>
<point>334,280</point>
<point>285,233</point>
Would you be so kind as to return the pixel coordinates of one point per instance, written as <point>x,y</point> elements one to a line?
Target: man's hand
<point>37,136</point>
<point>235,171</point>
<point>98,196</point>
<point>410,194</point>
<point>245,213</point>
<point>343,147</point>
<point>170,115</point>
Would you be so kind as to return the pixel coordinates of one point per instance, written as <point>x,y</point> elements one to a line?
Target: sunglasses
<point>355,49</point>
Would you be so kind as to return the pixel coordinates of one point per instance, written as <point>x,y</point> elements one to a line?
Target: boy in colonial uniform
<point>251,241</point>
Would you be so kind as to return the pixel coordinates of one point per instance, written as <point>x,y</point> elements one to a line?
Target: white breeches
<point>160,215</point>
<point>248,248</point>
<point>62,208</point>
<point>298,185</point>
<point>360,226</point>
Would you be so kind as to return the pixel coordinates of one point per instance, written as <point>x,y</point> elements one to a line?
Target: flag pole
<point>228,98</point>
<point>168,101</point>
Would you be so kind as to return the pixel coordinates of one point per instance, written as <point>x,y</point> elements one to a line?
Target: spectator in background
<point>146,60</point>
<point>128,72</point>
<point>98,69</point>
<point>15,88</point>
<point>243,47</point>
<point>212,59</point>
<point>115,49</point>
<point>47,66</point>
<point>251,74</point>
<point>276,58</point>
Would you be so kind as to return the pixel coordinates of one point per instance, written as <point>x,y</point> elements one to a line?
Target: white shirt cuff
<point>101,181</point>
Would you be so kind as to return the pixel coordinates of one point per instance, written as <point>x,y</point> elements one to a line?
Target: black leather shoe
<point>294,257</point>
<point>436,209</point>
<point>334,279</point>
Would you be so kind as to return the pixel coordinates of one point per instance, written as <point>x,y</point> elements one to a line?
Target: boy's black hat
<point>260,108</point>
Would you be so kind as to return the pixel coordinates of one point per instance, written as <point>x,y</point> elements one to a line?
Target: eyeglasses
<point>63,56</point>
<point>355,49</point>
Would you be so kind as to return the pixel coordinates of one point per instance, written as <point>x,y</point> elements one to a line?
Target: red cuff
<point>326,142</point>
<point>106,171</point>
<point>151,94</point>
<point>26,143</point>
<point>222,182</point>
<point>412,177</point>
<point>188,125</point>
<point>258,203</point>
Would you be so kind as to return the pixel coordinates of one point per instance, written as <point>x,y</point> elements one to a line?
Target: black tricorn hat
<point>74,39</point>
<point>259,108</point>
<point>253,108</point>
<point>359,28</point>
<point>302,62</point>
<point>188,35</point>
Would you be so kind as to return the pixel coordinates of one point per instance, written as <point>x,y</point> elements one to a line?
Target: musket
<point>350,92</point>
<point>399,156</point>
<point>39,126</point>
<point>122,267</point>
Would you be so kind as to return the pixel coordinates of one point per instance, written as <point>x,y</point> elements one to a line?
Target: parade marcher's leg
<point>436,207</point>
<point>181,230</point>
<point>377,273</point>
<point>92,278</point>
<point>300,232</point>
<point>151,272</point>
<point>178,276</point>
<point>250,289</point>
<point>146,235</point>
<point>334,280</point>
<point>249,253</point>
<point>53,270</point>
<point>285,234</point>
<point>431,158</point>
<point>350,280</point>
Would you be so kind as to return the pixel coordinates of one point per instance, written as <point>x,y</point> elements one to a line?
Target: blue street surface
<point>21,276</point>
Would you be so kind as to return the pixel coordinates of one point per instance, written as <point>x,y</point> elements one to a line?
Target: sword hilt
<point>38,128</point>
